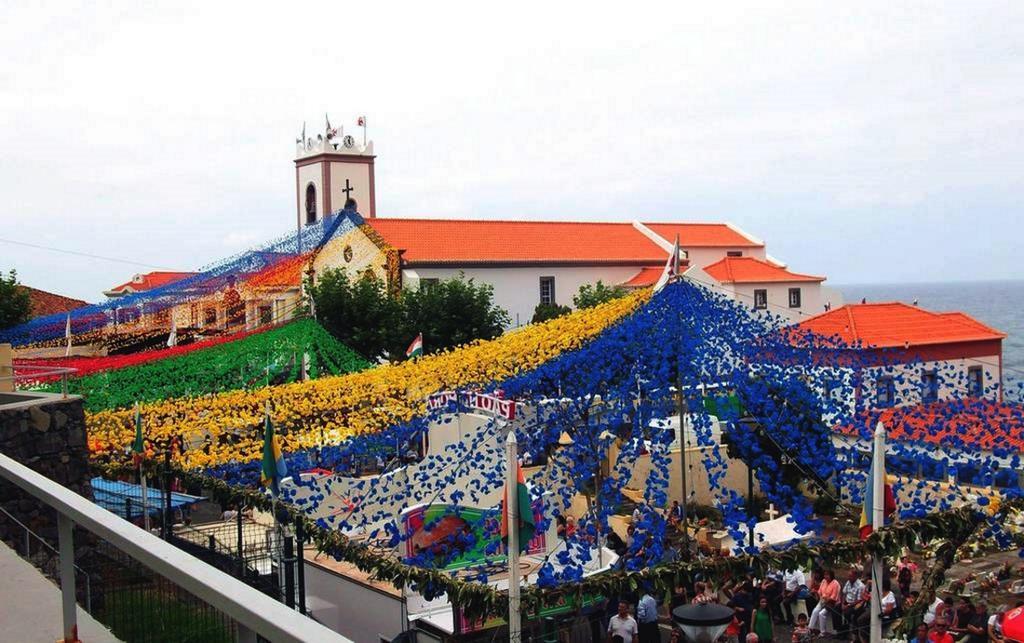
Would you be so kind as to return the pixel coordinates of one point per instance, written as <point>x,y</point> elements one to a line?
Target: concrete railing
<point>253,612</point>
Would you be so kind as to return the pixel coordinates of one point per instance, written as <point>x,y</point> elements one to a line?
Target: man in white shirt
<point>852,601</point>
<point>793,582</point>
<point>622,625</point>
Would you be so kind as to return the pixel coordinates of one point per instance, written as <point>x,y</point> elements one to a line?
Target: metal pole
<point>239,543</point>
<point>877,521</point>
<point>145,500</point>
<point>750,504</point>
<point>512,509</point>
<point>66,542</point>
<point>682,456</point>
<point>168,512</point>
<point>300,541</point>
<point>289,572</point>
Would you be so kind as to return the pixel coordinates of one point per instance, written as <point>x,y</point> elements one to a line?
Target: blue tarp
<point>118,497</point>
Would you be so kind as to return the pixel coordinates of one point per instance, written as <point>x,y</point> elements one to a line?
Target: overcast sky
<point>867,143</point>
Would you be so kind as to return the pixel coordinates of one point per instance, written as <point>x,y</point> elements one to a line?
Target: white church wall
<point>517,290</point>
<point>358,176</point>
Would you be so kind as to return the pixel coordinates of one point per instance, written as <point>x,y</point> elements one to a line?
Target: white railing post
<point>65,535</point>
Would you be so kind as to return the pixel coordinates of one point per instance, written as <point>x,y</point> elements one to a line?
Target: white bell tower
<point>329,170</point>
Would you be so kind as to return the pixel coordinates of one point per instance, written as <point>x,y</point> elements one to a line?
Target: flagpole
<point>877,522</point>
<point>278,541</point>
<point>511,498</point>
<point>67,333</point>
<point>142,475</point>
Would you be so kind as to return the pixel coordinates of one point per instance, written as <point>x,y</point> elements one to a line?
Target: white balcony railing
<point>253,612</point>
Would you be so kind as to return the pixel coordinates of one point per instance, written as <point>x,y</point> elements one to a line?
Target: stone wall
<point>49,436</point>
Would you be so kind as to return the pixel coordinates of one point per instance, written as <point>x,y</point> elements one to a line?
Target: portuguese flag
<point>526,523</point>
<point>139,445</point>
<point>415,348</point>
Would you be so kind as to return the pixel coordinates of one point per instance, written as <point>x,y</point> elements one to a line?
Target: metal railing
<point>34,373</point>
<point>253,612</point>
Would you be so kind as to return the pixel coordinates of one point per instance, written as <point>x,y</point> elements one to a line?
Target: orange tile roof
<point>646,277</point>
<point>744,270</point>
<point>42,303</point>
<point>477,241</point>
<point>704,235</point>
<point>150,280</point>
<point>962,423</point>
<point>895,324</point>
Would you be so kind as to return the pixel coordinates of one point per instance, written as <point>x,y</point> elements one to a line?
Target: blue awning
<point>121,497</point>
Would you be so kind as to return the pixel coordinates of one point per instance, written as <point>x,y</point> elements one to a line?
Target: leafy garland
<point>476,599</point>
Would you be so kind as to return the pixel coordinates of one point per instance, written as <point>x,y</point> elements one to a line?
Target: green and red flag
<point>527,527</point>
<point>273,468</point>
<point>415,348</point>
<point>139,445</point>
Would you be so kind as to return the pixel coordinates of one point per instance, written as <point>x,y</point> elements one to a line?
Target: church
<point>526,262</point>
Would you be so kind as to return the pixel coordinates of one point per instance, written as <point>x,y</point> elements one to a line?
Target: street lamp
<point>702,623</point>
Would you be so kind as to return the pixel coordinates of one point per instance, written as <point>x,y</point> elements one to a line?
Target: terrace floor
<point>30,605</point>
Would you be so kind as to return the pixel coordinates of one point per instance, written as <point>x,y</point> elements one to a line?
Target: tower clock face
<point>348,141</point>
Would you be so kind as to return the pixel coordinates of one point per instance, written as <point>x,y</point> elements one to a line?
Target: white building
<point>526,262</point>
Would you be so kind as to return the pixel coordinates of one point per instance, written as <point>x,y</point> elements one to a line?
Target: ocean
<point>999,304</point>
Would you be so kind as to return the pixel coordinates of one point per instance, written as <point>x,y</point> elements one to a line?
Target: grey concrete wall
<point>350,608</point>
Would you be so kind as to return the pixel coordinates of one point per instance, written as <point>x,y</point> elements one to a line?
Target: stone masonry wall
<point>49,437</point>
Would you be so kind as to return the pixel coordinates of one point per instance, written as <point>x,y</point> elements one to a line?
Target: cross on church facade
<point>348,189</point>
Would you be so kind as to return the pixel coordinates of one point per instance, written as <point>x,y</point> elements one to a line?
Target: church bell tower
<point>329,170</point>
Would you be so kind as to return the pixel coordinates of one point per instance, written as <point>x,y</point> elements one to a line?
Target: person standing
<point>761,621</point>
<point>647,618</point>
<point>743,606</point>
<point>622,625</point>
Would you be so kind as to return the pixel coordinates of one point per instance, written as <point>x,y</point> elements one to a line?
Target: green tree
<point>358,312</point>
<point>544,312</point>
<point>15,306</point>
<point>452,312</point>
<point>592,295</point>
<point>363,315</point>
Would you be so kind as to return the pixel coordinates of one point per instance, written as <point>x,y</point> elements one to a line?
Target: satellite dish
<point>348,141</point>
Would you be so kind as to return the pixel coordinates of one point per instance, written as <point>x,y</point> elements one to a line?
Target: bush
<point>590,296</point>
<point>364,316</point>
<point>544,312</point>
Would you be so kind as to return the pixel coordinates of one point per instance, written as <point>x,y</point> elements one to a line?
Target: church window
<point>427,283</point>
<point>760,298</point>
<point>210,317</point>
<point>734,253</point>
<point>310,204</point>
<point>794,297</point>
<point>547,290</point>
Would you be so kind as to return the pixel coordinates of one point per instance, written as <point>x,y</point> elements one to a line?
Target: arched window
<point>310,204</point>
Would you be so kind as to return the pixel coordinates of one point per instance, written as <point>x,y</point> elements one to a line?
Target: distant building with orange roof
<point>900,355</point>
<point>147,281</point>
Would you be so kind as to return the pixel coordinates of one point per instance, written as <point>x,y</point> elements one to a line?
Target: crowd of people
<point>794,606</point>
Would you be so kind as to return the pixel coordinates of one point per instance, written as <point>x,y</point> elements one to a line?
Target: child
<point>801,633</point>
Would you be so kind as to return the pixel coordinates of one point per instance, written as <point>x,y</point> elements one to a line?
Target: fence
<point>158,592</point>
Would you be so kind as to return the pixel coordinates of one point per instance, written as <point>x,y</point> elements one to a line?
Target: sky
<point>869,143</point>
